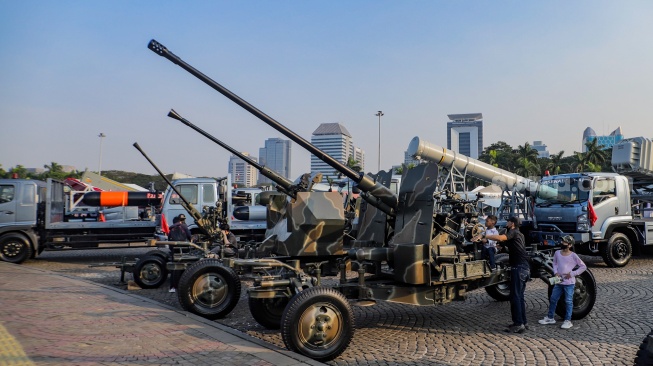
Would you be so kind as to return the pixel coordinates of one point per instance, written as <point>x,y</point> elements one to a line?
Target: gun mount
<point>424,257</point>
<point>293,225</point>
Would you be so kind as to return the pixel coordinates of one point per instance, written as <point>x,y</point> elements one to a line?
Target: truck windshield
<point>560,190</point>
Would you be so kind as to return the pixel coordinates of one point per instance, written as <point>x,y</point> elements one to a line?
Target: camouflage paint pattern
<point>372,222</point>
<point>310,225</point>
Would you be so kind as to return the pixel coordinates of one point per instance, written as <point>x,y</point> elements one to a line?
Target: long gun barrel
<point>383,198</point>
<point>421,149</point>
<point>204,226</point>
<point>285,184</point>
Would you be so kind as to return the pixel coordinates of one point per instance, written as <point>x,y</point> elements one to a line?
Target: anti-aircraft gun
<point>413,256</point>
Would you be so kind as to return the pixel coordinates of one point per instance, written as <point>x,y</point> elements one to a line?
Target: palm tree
<point>595,153</point>
<point>526,168</point>
<point>578,163</point>
<point>527,152</point>
<point>555,164</point>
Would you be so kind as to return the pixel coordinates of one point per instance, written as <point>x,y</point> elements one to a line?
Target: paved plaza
<point>459,333</point>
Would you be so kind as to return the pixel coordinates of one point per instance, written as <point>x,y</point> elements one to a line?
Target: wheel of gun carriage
<point>209,289</point>
<point>501,291</point>
<point>645,354</point>
<point>318,323</point>
<point>268,312</point>
<point>163,254</point>
<point>584,296</point>
<point>150,271</point>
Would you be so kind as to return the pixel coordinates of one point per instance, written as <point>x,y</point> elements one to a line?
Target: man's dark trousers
<point>518,277</point>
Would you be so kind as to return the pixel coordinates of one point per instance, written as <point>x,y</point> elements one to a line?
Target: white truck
<point>621,205</point>
<point>204,193</point>
<point>36,215</point>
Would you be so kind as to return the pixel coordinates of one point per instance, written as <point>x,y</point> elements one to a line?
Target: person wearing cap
<point>178,232</point>
<point>520,271</point>
<point>564,262</point>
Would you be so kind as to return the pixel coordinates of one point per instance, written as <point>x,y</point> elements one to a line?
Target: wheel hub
<point>320,325</point>
<point>210,290</point>
<point>620,250</point>
<point>150,272</point>
<point>11,249</point>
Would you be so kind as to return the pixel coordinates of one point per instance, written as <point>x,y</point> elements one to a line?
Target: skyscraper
<point>335,140</point>
<point>606,141</point>
<point>542,152</point>
<point>359,156</point>
<point>242,173</point>
<point>276,156</point>
<point>465,134</point>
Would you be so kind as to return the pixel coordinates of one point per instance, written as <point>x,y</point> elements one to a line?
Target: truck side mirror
<point>587,184</point>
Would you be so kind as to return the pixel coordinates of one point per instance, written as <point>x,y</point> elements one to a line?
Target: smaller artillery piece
<point>411,248</point>
<point>152,270</point>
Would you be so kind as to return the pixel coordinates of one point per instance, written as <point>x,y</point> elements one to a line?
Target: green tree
<point>578,162</point>
<point>20,171</point>
<point>595,153</point>
<point>527,152</point>
<point>555,164</point>
<point>353,164</point>
<point>3,173</point>
<point>55,171</point>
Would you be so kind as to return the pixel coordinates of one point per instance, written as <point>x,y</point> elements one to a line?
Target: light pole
<point>99,169</point>
<point>379,114</point>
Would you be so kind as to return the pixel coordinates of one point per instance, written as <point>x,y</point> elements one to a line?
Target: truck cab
<point>565,204</point>
<point>206,192</point>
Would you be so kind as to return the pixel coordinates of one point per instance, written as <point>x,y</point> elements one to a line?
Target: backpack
<point>177,233</point>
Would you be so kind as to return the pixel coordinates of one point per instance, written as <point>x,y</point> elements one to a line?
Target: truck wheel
<point>268,312</point>
<point>15,248</point>
<point>318,323</point>
<point>209,289</point>
<point>617,251</point>
<point>150,272</point>
<point>501,291</point>
<point>584,296</point>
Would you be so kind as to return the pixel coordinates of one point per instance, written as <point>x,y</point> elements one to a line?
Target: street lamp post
<point>379,114</point>
<point>99,169</point>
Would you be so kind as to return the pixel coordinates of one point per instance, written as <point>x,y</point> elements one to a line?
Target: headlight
<point>582,219</point>
<point>583,227</point>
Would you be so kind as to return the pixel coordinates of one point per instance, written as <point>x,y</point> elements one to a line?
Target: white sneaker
<point>566,324</point>
<point>547,320</point>
<point>172,290</point>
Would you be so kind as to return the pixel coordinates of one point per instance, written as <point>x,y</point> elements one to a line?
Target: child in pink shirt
<point>564,262</point>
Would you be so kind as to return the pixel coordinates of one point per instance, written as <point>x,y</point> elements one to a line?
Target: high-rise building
<point>335,140</point>
<point>359,156</point>
<point>465,134</point>
<point>276,156</point>
<point>542,152</point>
<point>606,141</point>
<point>242,173</point>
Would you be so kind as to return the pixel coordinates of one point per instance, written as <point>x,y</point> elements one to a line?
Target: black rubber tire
<point>15,248</point>
<point>584,297</point>
<point>209,289</point>
<point>150,272</point>
<point>644,356</point>
<point>268,312</point>
<point>309,315</point>
<point>165,255</point>
<point>617,251</point>
<point>500,292</point>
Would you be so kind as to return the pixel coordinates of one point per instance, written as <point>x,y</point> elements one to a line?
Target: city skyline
<point>537,71</point>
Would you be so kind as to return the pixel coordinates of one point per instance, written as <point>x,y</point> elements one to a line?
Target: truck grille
<point>567,227</point>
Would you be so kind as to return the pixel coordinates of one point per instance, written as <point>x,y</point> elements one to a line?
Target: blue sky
<point>536,70</point>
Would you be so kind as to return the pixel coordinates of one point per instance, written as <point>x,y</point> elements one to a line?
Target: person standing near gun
<point>520,271</point>
<point>564,262</point>
<point>178,232</point>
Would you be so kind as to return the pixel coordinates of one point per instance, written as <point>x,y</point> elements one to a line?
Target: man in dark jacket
<point>520,271</point>
<point>178,232</point>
